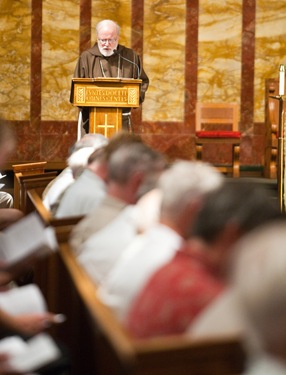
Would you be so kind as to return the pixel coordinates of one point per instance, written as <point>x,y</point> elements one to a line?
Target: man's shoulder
<point>104,213</point>
<point>126,51</point>
<point>93,51</point>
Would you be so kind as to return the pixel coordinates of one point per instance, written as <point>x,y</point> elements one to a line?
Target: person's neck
<point>121,192</point>
<point>278,352</point>
<point>171,224</point>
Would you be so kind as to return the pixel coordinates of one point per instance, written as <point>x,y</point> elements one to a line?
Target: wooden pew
<point>23,170</point>
<point>271,127</point>
<point>35,203</point>
<point>37,182</point>
<point>99,344</point>
<point>62,226</point>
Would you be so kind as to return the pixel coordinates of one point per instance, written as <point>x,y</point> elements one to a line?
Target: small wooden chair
<point>217,123</point>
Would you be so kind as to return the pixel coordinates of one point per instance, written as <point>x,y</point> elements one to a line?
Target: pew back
<point>108,348</point>
<point>27,182</point>
<point>22,170</point>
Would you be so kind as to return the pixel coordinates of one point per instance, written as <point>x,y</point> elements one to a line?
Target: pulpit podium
<point>105,98</point>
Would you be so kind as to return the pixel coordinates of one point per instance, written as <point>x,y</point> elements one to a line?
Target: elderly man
<point>8,215</point>
<point>100,238</point>
<point>178,292</point>
<point>183,187</point>
<point>107,58</point>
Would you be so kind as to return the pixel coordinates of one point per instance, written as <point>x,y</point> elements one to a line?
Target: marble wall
<point>192,50</point>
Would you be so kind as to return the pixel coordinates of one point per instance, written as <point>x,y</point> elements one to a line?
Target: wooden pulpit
<point>105,97</point>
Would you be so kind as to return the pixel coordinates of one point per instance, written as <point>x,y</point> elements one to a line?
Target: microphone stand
<point>130,61</point>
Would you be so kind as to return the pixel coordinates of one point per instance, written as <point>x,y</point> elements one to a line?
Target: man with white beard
<point>108,58</point>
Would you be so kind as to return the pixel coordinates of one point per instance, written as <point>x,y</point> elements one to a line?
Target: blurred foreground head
<point>242,204</point>
<point>259,279</point>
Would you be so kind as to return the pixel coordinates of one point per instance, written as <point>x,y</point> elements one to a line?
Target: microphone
<point>131,62</point>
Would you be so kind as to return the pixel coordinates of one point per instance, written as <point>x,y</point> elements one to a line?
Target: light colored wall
<point>219,48</point>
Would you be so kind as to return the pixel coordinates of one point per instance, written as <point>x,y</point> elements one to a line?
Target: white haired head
<point>94,140</point>
<point>89,143</point>
<point>107,24</point>
<point>107,36</point>
<point>185,181</point>
<point>259,280</point>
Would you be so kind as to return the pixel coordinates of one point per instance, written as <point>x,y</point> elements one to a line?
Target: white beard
<point>106,52</point>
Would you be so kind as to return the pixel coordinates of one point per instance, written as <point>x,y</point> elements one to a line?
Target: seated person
<point>85,194</point>
<point>99,239</point>
<point>6,200</point>
<point>8,215</point>
<point>88,190</point>
<point>23,314</point>
<point>179,291</point>
<point>258,282</point>
<point>76,162</point>
<point>182,187</point>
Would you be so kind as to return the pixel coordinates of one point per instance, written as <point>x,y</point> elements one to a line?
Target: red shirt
<point>174,296</point>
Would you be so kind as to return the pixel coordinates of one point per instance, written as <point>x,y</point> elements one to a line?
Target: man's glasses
<point>109,41</point>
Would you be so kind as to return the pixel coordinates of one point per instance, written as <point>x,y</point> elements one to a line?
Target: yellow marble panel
<point>219,51</point>
<point>15,34</point>
<point>118,11</point>
<point>270,48</point>
<point>59,54</point>
<point>164,59</point>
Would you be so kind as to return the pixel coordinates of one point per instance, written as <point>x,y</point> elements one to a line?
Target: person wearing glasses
<point>108,58</point>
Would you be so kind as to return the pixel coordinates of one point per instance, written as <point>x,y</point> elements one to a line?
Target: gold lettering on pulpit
<point>94,95</point>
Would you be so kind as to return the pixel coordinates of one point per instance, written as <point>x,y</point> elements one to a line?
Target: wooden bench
<point>97,341</point>
<point>35,203</point>
<point>100,345</point>
<point>22,170</point>
<point>37,182</point>
<point>62,226</point>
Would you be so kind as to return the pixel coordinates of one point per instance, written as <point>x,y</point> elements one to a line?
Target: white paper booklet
<point>23,300</point>
<point>2,176</point>
<point>26,237</point>
<point>31,355</point>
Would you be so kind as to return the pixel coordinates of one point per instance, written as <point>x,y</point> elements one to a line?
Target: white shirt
<point>101,250</point>
<point>82,196</point>
<point>225,317</point>
<point>55,188</point>
<point>266,365</point>
<point>144,256</point>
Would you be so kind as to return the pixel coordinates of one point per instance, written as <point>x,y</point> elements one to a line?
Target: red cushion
<point>218,134</point>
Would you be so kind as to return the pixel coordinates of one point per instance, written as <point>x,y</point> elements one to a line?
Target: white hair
<point>107,23</point>
<point>82,150</point>
<point>94,140</point>
<point>185,181</point>
<point>259,281</point>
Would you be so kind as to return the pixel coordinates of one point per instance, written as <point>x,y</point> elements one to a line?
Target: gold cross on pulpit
<point>105,125</point>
